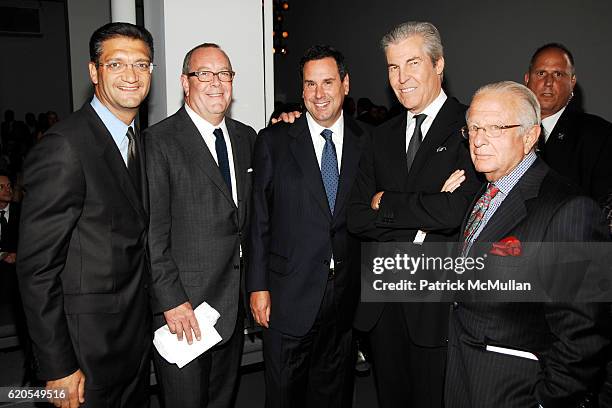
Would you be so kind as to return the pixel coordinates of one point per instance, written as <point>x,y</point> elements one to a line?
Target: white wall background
<point>237,26</point>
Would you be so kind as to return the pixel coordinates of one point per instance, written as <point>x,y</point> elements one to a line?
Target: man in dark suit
<point>398,197</point>
<point>303,289</point>
<point>199,171</point>
<point>522,354</point>
<point>575,144</point>
<point>9,292</point>
<point>82,259</point>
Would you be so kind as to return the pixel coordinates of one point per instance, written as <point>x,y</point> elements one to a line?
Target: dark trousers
<point>209,381</point>
<point>407,375</point>
<point>131,394</point>
<point>311,370</point>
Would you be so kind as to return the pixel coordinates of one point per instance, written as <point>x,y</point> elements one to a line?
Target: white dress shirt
<point>206,129</point>
<point>431,111</point>
<point>318,141</point>
<point>550,122</point>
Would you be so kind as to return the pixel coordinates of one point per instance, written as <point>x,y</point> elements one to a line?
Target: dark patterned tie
<point>415,141</point>
<point>477,215</point>
<point>329,168</point>
<point>222,157</point>
<point>540,148</point>
<point>133,158</point>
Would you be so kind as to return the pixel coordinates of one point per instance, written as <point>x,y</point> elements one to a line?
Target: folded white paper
<point>180,352</point>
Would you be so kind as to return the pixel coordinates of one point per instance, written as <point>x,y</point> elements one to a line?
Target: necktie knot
<point>218,133</point>
<point>130,134</point>
<point>492,191</point>
<point>327,135</point>
<point>419,119</point>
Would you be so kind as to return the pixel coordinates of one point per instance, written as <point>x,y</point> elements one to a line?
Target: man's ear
<point>440,66</point>
<point>526,78</point>
<point>185,84</point>
<point>93,73</point>
<point>531,138</point>
<point>345,84</point>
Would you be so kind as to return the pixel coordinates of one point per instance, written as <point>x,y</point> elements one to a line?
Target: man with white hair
<point>521,354</point>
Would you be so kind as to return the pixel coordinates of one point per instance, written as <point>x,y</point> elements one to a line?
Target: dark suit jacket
<point>196,229</point>
<point>293,233</point>
<point>413,201</point>
<point>82,262</point>
<point>568,338</point>
<point>580,148</point>
<point>9,237</point>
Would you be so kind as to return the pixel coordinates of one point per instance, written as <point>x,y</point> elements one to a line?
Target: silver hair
<point>526,103</point>
<point>427,31</point>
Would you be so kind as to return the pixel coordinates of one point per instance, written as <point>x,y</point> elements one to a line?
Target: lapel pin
<point>561,136</point>
<point>440,149</point>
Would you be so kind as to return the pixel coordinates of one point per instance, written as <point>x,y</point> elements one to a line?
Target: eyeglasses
<point>7,187</point>
<point>117,67</point>
<point>207,76</point>
<point>491,131</point>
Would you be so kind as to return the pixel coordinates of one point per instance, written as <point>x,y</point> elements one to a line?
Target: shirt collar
<point>507,182</point>
<point>115,126</point>
<point>205,127</point>
<point>433,108</point>
<point>550,122</point>
<point>315,129</point>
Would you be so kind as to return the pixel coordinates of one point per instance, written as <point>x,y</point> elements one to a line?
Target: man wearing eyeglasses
<point>523,354</point>
<point>199,172</point>
<point>82,260</point>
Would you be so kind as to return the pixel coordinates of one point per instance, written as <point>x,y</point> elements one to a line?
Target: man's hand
<point>10,258</point>
<point>73,385</point>
<point>453,181</point>
<point>182,319</point>
<point>287,117</point>
<point>375,204</point>
<point>260,307</point>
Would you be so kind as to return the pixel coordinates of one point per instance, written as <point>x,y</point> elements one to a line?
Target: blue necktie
<point>221,149</point>
<point>329,168</point>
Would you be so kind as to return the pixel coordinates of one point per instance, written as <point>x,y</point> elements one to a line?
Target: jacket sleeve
<point>168,291</point>
<point>53,201</point>
<point>574,362</point>
<point>438,211</point>
<point>263,190</point>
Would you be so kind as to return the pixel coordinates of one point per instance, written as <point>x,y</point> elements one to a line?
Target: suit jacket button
<point>455,305</point>
<point>236,266</point>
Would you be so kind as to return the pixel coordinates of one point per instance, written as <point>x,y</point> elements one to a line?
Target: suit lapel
<point>240,153</point>
<point>199,153</point>
<point>111,154</point>
<point>396,151</point>
<point>350,160</point>
<point>513,209</point>
<point>303,151</point>
<point>444,124</point>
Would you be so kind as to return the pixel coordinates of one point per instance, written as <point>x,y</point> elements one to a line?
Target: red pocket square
<point>509,246</point>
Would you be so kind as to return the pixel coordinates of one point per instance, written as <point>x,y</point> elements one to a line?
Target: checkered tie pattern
<point>329,168</point>
<point>477,215</point>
